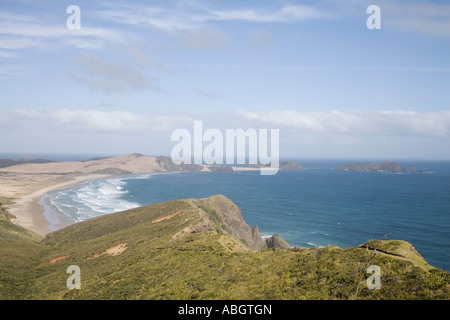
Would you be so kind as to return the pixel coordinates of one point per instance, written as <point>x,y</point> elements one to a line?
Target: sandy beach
<point>26,184</point>
<point>27,189</point>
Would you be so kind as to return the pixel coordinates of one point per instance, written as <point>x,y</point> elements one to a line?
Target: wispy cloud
<point>145,16</point>
<point>394,122</point>
<point>426,18</point>
<point>358,133</point>
<point>110,77</point>
<point>195,15</point>
<point>417,17</point>
<point>18,31</point>
<point>7,71</point>
<point>93,120</point>
<point>288,13</point>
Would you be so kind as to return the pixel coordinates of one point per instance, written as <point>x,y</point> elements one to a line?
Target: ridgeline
<point>200,249</point>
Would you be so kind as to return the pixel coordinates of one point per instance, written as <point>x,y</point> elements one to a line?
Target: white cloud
<point>195,15</point>
<point>401,123</point>
<point>24,31</point>
<point>384,134</point>
<point>284,14</point>
<point>395,123</point>
<point>145,16</point>
<point>84,119</point>
<point>93,120</point>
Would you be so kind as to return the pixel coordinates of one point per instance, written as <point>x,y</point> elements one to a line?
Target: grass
<point>401,249</point>
<point>10,230</point>
<point>201,263</point>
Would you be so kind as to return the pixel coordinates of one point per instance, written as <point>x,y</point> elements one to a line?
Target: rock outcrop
<point>227,218</point>
<point>276,241</point>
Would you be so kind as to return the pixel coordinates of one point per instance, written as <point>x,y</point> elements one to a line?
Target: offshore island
<point>181,249</point>
<point>386,166</point>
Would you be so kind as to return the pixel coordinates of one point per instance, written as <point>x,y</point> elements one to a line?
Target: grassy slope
<point>9,229</point>
<point>184,257</point>
<point>19,252</point>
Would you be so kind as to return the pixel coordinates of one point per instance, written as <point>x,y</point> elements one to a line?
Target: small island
<point>386,166</point>
<point>415,170</point>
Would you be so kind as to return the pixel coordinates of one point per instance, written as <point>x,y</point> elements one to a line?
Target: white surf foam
<point>94,198</point>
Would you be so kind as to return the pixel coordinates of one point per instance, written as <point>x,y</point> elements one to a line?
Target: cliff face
<point>228,218</point>
<point>200,249</point>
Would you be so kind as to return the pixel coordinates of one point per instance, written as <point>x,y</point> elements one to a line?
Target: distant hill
<point>290,165</point>
<point>201,249</point>
<point>386,166</point>
<point>12,162</point>
<point>123,164</point>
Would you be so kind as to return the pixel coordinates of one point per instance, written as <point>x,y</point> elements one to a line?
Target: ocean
<point>308,208</point>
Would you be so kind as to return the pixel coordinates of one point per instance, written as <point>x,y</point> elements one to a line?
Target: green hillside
<point>201,249</point>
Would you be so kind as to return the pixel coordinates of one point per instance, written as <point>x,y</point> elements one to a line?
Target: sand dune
<point>27,183</point>
<point>133,163</point>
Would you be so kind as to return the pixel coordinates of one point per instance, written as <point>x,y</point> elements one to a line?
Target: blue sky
<point>136,71</point>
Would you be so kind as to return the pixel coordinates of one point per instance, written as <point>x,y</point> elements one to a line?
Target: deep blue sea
<point>308,208</point>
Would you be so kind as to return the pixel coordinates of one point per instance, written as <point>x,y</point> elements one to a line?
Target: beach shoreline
<point>32,211</point>
<point>26,184</point>
<point>27,209</point>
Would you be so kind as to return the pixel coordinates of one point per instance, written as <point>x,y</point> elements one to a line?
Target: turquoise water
<point>308,208</point>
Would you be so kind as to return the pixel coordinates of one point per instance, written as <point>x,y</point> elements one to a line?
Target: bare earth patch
<point>170,216</point>
<point>113,251</point>
<point>58,259</point>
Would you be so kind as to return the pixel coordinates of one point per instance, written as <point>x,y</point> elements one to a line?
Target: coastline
<point>36,213</point>
<point>29,212</point>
